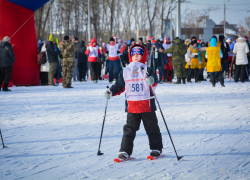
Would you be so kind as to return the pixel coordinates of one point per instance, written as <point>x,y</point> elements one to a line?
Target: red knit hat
<point>246,38</point>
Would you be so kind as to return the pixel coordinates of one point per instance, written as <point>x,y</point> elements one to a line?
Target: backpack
<point>41,58</point>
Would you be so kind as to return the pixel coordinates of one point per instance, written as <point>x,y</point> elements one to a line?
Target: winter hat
<point>137,50</point>
<point>132,39</point>
<point>115,37</point>
<point>140,38</point>
<point>215,37</point>
<point>199,41</point>
<point>52,38</point>
<point>194,42</point>
<point>93,41</point>
<point>246,38</point>
<point>168,38</point>
<point>193,37</point>
<point>6,39</point>
<point>120,40</point>
<point>125,42</point>
<point>76,38</point>
<point>228,40</point>
<point>66,38</point>
<point>153,41</point>
<point>221,37</point>
<point>151,38</point>
<point>111,39</point>
<point>103,43</point>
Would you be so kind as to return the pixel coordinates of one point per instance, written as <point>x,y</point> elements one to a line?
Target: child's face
<point>136,58</point>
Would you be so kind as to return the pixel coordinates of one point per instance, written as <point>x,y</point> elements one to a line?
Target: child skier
<point>140,102</point>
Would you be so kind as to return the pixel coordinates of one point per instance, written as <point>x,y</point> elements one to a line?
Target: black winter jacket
<point>53,52</point>
<point>7,56</point>
<point>82,58</point>
<point>162,57</point>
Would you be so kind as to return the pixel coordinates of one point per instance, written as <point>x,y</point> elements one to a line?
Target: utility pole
<point>171,28</point>
<point>224,19</point>
<point>51,24</point>
<point>178,29</point>
<point>89,24</point>
<point>141,20</point>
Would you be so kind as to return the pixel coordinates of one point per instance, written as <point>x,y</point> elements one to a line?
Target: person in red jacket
<point>140,102</point>
<point>93,52</point>
<point>113,50</point>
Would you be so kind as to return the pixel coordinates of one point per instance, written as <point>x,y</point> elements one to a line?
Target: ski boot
<point>123,155</point>
<point>155,153</point>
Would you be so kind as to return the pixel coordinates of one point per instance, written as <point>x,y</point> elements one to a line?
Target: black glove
<point>118,52</point>
<point>107,52</point>
<point>196,56</point>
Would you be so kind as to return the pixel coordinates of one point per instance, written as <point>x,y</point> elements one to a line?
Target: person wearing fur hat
<point>241,49</point>
<point>113,51</point>
<point>7,59</point>
<point>140,103</point>
<point>68,50</point>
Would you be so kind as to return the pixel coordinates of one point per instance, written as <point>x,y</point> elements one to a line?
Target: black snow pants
<point>152,129</point>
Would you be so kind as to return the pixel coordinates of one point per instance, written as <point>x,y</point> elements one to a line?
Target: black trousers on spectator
<point>240,71</point>
<point>212,74</point>
<point>195,72</point>
<point>152,129</point>
<point>44,78</point>
<point>5,75</point>
<point>99,71</point>
<point>83,69</point>
<point>93,66</point>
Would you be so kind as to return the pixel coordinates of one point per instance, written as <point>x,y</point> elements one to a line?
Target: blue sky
<point>235,12</point>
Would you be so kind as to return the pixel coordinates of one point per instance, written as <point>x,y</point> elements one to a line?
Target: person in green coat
<point>178,50</point>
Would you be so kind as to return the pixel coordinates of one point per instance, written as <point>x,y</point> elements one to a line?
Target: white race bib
<point>136,87</point>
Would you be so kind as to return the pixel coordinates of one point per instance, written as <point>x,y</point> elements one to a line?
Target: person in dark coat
<point>82,61</point>
<point>162,61</point>
<point>7,59</point>
<point>53,52</point>
<point>225,49</point>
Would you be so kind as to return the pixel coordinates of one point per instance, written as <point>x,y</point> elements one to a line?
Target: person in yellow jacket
<point>214,55</point>
<point>187,42</point>
<point>192,53</point>
<point>202,65</point>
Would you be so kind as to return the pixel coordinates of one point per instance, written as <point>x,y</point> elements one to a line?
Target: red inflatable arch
<point>12,17</point>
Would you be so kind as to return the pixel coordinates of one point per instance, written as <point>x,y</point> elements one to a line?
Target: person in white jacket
<point>44,69</point>
<point>240,49</point>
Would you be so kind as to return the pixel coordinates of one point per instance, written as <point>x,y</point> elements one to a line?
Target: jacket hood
<point>241,40</point>
<point>213,42</point>
<point>82,44</point>
<point>145,55</point>
<point>92,41</point>
<point>4,44</point>
<point>178,41</point>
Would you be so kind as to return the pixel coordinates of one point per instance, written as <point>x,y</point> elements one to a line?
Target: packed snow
<point>53,133</point>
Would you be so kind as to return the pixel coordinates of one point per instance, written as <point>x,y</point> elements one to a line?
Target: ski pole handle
<point>145,70</point>
<point>108,89</point>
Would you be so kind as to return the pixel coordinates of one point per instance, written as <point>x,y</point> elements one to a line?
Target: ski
<point>117,160</point>
<point>150,158</point>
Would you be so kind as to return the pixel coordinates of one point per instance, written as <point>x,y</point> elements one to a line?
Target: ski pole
<point>99,153</point>
<point>2,139</point>
<point>178,157</point>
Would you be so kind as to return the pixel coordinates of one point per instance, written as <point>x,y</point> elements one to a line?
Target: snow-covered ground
<point>53,133</point>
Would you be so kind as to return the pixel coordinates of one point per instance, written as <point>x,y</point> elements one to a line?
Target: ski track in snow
<point>53,133</point>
